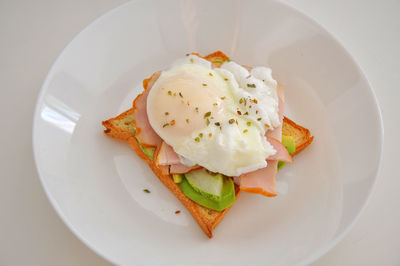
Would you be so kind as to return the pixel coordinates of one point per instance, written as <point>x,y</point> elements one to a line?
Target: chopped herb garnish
<point>208,121</point>
<point>146,190</point>
<point>197,109</point>
<point>180,94</point>
<point>248,123</point>
<point>239,113</point>
<point>245,131</point>
<point>169,92</point>
<point>217,124</point>
<point>212,117</point>
<point>210,74</point>
<point>241,100</point>
<point>165,125</point>
<point>207,114</point>
<point>266,125</point>
<point>228,60</point>
<point>201,135</point>
<point>166,113</point>
<point>172,122</point>
<point>251,85</point>
<point>218,61</point>
<point>223,98</point>
<point>204,84</point>
<point>197,139</point>
<point>187,120</point>
<point>247,113</point>
<point>259,119</point>
<point>231,121</point>
<point>215,104</point>
<point>182,101</point>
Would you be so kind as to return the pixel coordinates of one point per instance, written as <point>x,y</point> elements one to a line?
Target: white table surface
<point>33,33</point>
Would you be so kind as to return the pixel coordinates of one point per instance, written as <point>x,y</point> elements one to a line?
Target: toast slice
<point>122,127</point>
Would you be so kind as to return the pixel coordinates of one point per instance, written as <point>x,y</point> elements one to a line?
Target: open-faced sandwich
<point>210,128</point>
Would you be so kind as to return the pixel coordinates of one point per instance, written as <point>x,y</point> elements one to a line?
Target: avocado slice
<point>227,197</point>
<point>177,178</point>
<point>148,151</point>
<point>207,184</point>
<point>288,142</point>
<point>290,145</point>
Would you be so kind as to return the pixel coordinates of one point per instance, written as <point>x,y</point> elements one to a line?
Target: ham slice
<point>167,155</point>
<point>182,169</point>
<point>281,152</point>
<point>262,181</point>
<point>145,134</point>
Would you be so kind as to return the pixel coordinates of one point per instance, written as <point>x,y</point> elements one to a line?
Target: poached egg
<point>215,117</point>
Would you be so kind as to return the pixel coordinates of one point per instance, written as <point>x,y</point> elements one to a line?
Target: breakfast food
<point>210,128</point>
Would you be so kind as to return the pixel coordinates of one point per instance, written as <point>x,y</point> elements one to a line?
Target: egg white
<point>231,140</point>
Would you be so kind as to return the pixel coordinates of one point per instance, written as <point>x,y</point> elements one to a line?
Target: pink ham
<point>182,169</point>
<point>166,155</point>
<point>144,132</point>
<point>281,152</point>
<point>262,181</point>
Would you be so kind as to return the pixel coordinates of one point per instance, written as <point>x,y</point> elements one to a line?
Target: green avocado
<point>227,197</point>
<point>177,178</point>
<point>290,145</point>
<point>148,151</point>
<point>205,183</point>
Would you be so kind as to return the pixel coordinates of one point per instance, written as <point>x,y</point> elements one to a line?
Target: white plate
<point>96,184</point>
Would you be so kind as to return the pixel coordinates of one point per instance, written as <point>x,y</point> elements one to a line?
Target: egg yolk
<point>181,104</point>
